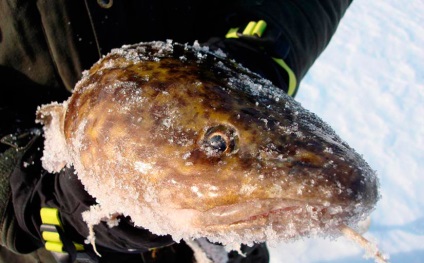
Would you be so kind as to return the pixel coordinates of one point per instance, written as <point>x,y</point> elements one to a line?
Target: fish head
<point>190,143</point>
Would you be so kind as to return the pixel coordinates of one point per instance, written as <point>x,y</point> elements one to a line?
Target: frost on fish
<point>189,143</point>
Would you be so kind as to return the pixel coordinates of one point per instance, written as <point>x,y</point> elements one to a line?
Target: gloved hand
<point>257,53</point>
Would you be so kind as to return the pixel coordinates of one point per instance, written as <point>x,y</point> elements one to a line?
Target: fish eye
<point>220,139</point>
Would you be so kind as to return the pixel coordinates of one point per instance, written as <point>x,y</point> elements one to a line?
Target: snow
<point>369,86</point>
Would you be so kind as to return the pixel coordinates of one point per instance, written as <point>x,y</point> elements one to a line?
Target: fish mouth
<point>278,213</point>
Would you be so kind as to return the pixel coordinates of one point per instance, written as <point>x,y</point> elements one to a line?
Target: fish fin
<point>47,112</point>
<point>55,154</point>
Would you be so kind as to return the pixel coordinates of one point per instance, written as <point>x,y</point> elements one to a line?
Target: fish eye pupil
<point>218,143</point>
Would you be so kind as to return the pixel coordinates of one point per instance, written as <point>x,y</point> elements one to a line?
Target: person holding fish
<point>166,146</point>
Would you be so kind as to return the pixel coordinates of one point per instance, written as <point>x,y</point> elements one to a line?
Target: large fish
<point>189,143</point>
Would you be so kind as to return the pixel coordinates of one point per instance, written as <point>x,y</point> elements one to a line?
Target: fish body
<point>187,142</point>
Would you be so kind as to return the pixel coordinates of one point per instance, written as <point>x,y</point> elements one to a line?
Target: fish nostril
<point>309,158</point>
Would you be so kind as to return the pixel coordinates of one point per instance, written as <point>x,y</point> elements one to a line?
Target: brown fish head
<point>189,143</point>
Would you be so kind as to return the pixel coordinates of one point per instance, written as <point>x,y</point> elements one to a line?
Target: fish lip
<point>252,210</point>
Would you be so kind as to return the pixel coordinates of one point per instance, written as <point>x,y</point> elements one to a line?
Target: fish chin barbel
<point>189,143</point>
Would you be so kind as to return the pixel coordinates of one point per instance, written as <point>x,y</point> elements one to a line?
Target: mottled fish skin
<point>205,135</point>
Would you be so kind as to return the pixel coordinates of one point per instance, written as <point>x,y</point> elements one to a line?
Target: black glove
<point>257,53</point>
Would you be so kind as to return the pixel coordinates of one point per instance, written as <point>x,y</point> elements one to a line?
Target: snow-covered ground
<point>369,86</point>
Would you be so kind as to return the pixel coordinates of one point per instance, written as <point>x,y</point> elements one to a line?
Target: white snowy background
<point>369,86</point>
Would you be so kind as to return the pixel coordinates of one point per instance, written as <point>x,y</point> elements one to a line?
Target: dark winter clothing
<point>45,46</point>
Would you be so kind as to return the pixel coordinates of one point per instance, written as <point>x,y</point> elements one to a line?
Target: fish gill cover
<point>189,143</point>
